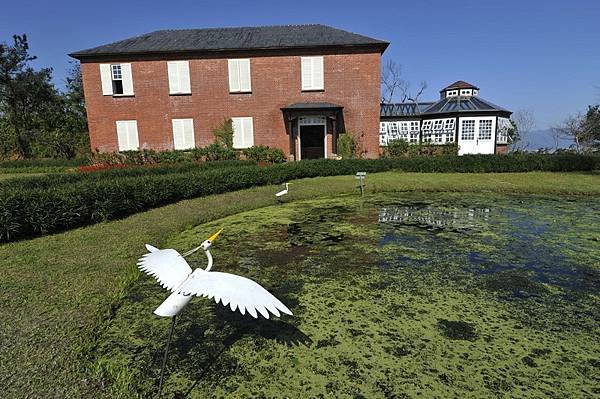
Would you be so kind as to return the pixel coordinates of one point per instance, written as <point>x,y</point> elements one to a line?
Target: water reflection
<point>437,218</point>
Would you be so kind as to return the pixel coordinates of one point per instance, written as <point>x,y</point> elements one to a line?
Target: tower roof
<point>460,84</point>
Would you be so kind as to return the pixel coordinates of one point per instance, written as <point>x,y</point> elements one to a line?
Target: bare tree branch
<point>524,120</point>
<point>394,87</point>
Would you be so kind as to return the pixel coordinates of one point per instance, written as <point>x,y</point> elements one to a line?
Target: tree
<point>584,130</point>
<point>523,123</point>
<point>70,138</point>
<point>394,87</point>
<point>35,118</point>
<point>224,133</point>
<point>28,100</point>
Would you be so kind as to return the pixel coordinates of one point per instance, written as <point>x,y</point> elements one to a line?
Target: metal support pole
<point>164,363</point>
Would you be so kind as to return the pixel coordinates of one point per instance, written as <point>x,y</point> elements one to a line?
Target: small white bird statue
<point>171,270</point>
<point>283,192</point>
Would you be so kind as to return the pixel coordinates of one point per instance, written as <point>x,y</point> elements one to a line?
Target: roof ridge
<point>233,38</point>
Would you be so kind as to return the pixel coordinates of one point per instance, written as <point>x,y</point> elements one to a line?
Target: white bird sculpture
<point>171,270</point>
<point>283,192</point>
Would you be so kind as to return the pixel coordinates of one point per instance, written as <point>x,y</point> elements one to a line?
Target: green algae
<point>438,295</point>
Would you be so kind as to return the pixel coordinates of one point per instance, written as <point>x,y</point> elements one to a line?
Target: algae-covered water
<point>414,295</point>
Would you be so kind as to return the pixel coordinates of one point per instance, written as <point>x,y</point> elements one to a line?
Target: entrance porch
<point>313,129</point>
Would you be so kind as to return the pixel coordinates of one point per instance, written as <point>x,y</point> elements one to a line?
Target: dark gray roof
<point>313,106</point>
<point>463,104</point>
<point>444,106</point>
<point>404,109</point>
<point>230,39</point>
<point>460,84</point>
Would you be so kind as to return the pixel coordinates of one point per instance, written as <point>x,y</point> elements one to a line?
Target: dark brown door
<point>312,141</point>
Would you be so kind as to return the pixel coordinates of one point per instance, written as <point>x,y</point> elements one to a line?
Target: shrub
<point>396,148</point>
<point>218,152</point>
<point>262,153</point>
<point>346,146</point>
<point>402,148</point>
<point>40,205</point>
<point>224,133</point>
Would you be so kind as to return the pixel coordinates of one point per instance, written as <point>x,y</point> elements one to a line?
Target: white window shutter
<point>106,78</point>
<point>122,135</point>
<point>127,79</point>
<point>188,133</point>
<point>234,75</point>
<point>173,72</point>
<point>184,77</point>
<point>238,140</point>
<point>245,77</point>
<point>127,135</point>
<point>317,70</point>
<point>307,73</point>
<point>132,134</point>
<point>248,132</point>
<point>178,139</point>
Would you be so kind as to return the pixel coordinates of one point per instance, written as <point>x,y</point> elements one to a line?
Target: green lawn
<point>59,291</point>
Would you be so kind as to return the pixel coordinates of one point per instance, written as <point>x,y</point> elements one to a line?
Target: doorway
<point>312,142</point>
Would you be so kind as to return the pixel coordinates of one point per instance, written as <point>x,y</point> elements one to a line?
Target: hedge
<point>57,179</point>
<point>41,207</point>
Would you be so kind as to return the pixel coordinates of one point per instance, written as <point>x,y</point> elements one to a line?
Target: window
<point>414,126</point>
<point>382,133</point>
<point>393,130</point>
<point>127,135</point>
<point>449,124</point>
<point>312,73</point>
<point>467,129</point>
<point>485,129</point>
<point>382,128</point>
<point>239,76</point>
<point>465,92</point>
<point>451,93</point>
<point>179,77</point>
<point>504,128</point>
<point>438,125</point>
<point>427,125</point>
<point>183,134</point>
<point>243,132</point>
<point>116,79</point>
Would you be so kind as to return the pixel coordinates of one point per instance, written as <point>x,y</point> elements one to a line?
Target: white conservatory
<point>460,116</point>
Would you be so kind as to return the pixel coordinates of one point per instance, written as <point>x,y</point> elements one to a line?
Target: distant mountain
<point>544,139</point>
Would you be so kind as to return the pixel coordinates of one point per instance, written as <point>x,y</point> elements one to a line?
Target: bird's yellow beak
<point>214,236</point>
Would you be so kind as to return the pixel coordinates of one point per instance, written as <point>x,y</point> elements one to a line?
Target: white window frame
<point>183,134</point>
<point>312,73</point>
<point>178,74</point>
<point>243,132</point>
<point>467,129</point>
<point>127,135</point>
<point>485,127</point>
<point>238,68</point>
<point>108,77</point>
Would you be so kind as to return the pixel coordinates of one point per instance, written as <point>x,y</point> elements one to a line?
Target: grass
<point>60,291</point>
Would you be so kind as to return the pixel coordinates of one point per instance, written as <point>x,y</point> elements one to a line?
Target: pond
<point>430,295</point>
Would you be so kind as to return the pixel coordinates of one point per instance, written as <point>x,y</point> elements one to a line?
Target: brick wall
<point>351,80</point>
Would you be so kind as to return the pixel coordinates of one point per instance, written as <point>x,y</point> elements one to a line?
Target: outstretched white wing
<point>236,291</point>
<point>167,266</point>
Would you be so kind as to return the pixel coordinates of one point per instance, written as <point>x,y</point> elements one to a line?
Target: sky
<point>525,54</point>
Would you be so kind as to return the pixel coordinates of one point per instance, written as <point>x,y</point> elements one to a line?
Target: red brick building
<point>292,87</point>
